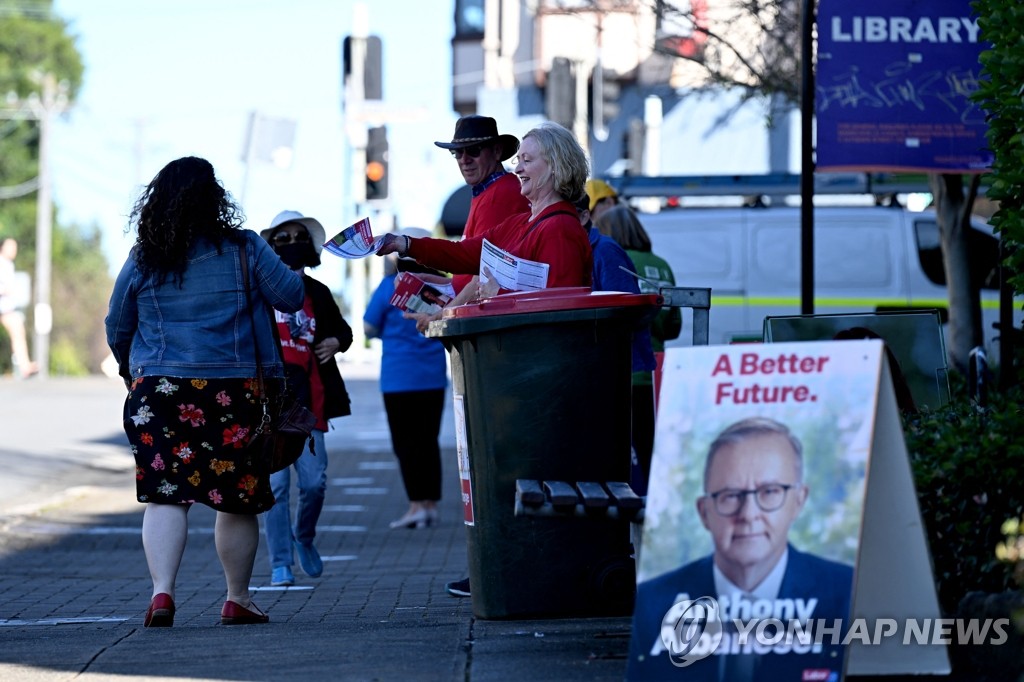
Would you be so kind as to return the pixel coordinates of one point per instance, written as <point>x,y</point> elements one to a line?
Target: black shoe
<point>458,588</point>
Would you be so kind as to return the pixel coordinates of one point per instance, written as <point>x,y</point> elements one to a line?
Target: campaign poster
<point>893,87</point>
<point>462,452</point>
<point>914,341</point>
<point>754,511</point>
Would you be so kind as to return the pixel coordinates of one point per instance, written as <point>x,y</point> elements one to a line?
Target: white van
<point>867,259</point>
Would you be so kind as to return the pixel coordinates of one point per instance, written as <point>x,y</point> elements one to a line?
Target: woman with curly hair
<point>185,337</point>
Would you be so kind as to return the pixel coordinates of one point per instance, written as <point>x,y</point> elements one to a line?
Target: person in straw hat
<point>310,338</point>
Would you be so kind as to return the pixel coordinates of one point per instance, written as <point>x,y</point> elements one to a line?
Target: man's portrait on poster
<point>754,488</point>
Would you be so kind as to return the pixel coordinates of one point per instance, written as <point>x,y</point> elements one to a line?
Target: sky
<point>171,79</point>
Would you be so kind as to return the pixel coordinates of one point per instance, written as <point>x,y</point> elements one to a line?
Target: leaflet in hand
<point>416,296</point>
<point>511,272</point>
<point>355,241</point>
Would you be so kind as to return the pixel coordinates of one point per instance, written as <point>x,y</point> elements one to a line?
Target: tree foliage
<point>753,45</point>
<point>33,43</point>
<point>1001,94</point>
<point>756,45</point>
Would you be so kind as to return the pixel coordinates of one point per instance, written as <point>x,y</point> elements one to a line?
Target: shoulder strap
<point>540,220</point>
<point>243,259</point>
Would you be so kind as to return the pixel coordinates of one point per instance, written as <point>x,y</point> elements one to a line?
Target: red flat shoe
<point>236,614</point>
<point>161,612</point>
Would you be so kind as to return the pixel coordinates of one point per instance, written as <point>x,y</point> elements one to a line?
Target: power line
<point>20,190</point>
<point>32,11</point>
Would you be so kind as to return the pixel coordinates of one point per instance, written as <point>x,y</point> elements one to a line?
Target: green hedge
<point>1000,95</point>
<point>968,467</point>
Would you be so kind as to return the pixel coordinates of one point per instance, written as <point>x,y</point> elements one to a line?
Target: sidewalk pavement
<point>74,585</point>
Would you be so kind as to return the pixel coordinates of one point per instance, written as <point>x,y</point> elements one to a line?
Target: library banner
<point>893,87</point>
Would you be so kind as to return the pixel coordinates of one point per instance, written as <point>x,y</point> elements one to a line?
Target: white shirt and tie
<point>740,667</point>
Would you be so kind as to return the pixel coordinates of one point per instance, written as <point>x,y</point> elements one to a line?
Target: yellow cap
<point>597,190</point>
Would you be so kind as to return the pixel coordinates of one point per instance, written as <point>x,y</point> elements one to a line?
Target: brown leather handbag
<point>286,425</point>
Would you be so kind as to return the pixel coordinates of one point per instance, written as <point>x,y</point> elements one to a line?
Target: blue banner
<point>893,88</point>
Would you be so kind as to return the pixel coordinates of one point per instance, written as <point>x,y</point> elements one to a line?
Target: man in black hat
<point>479,151</point>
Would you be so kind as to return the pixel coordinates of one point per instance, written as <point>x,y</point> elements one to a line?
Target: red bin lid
<point>546,300</point>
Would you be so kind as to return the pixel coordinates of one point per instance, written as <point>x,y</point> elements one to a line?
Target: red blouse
<point>487,210</point>
<point>554,237</point>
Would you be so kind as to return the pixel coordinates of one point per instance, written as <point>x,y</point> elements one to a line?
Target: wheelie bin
<point>542,391</point>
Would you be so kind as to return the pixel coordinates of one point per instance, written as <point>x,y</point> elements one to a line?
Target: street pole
<point>579,124</point>
<point>807,161</point>
<point>355,125</point>
<point>653,117</point>
<point>42,311</point>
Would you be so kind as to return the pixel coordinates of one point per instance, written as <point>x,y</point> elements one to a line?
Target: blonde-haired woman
<point>552,169</point>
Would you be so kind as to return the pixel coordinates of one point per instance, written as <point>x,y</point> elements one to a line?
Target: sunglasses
<point>471,152</point>
<point>282,238</point>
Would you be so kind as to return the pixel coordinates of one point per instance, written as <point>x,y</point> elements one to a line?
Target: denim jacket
<point>203,328</point>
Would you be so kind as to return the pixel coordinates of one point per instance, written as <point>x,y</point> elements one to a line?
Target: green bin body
<point>542,384</point>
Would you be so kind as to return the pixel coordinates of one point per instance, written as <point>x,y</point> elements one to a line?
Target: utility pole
<point>41,107</point>
<point>43,311</point>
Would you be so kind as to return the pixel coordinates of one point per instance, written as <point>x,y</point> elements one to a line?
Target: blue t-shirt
<point>409,360</point>
<point>609,276</point>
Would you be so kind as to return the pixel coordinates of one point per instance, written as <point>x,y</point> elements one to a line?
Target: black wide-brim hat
<point>473,130</point>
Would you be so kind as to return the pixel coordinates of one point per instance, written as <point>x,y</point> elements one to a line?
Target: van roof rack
<point>770,184</point>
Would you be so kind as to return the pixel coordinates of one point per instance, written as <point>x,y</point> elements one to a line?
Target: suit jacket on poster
<point>807,576</point>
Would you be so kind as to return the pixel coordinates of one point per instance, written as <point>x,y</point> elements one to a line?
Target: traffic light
<point>377,163</point>
<point>372,65</point>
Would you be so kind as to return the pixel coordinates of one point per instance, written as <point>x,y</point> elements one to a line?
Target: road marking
<point>378,466</point>
<point>60,621</point>
<point>365,491</point>
<point>342,529</point>
<point>382,435</point>
<point>352,481</point>
<point>344,507</point>
<point>55,529</point>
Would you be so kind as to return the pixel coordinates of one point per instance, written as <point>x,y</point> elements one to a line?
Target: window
<point>983,250</point>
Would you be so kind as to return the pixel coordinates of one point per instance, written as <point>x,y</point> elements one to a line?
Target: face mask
<point>294,255</point>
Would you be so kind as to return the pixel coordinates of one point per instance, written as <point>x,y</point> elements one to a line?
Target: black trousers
<point>643,437</point>
<point>414,418</point>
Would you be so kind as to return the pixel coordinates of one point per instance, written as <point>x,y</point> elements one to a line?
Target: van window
<point>703,249</point>
<point>843,257</point>
<point>984,254</point>
<point>707,254</point>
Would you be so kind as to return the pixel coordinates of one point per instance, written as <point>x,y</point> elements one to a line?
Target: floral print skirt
<point>188,438</point>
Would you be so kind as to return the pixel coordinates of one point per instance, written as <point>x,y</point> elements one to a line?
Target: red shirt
<point>554,237</point>
<point>296,331</point>
<point>487,210</point>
